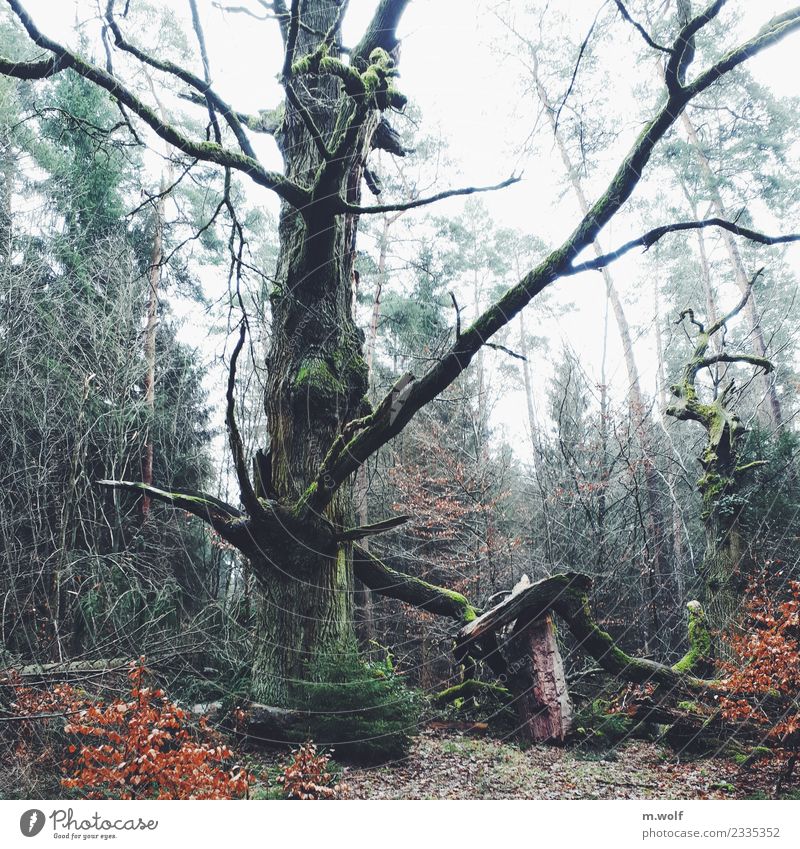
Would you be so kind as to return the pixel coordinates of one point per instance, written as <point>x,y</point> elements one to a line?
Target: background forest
<point>570,444</point>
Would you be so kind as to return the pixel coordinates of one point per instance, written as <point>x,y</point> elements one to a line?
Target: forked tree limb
<point>64,58</point>
<point>398,411</point>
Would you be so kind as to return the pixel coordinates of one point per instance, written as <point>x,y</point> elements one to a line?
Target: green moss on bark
<point>699,641</point>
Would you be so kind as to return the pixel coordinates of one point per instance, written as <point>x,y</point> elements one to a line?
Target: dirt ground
<point>446,765</point>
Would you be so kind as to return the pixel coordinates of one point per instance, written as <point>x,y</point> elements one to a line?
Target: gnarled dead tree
<point>722,478</point>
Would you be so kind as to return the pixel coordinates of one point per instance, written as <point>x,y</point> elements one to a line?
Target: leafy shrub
<point>307,776</point>
<point>141,746</point>
<point>761,688</point>
<point>363,711</point>
<point>32,739</point>
<point>599,726</point>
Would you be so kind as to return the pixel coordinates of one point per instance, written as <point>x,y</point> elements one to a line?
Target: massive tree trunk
<point>317,382</point>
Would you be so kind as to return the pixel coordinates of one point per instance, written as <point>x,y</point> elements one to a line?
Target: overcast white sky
<point>452,71</point>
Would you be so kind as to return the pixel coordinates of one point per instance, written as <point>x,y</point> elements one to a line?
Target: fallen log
<point>567,595</point>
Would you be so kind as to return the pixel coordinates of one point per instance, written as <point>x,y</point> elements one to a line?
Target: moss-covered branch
<point>382,579</point>
<point>64,58</point>
<point>698,659</point>
<point>230,523</point>
<point>473,689</point>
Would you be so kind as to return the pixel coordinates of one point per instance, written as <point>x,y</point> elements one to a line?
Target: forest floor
<point>448,765</point>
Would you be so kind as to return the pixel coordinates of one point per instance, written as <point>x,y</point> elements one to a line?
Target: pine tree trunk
<point>364,614</point>
<point>153,285</point>
<point>8,169</point>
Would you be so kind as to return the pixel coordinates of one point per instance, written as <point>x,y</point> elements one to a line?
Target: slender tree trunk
<point>677,516</point>
<point>153,284</point>
<point>638,411</point>
<point>8,169</point>
<point>363,593</point>
<point>603,472</point>
<point>533,428</point>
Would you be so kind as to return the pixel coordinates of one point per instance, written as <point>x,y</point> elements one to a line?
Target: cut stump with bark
<point>543,703</point>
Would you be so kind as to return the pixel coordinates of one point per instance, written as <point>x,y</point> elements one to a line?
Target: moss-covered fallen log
<point>568,595</point>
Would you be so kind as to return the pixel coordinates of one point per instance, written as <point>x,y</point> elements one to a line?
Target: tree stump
<point>539,683</point>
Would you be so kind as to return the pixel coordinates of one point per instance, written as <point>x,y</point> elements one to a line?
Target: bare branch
<point>246,490</point>
<point>265,121</point>
<point>640,29</point>
<point>352,534</point>
<point>722,322</point>
<point>243,10</point>
<point>353,209</point>
<point>308,121</point>
<point>582,50</point>
<point>652,236</point>
<point>494,346</point>
<point>201,85</point>
<point>209,98</point>
<point>770,33</point>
